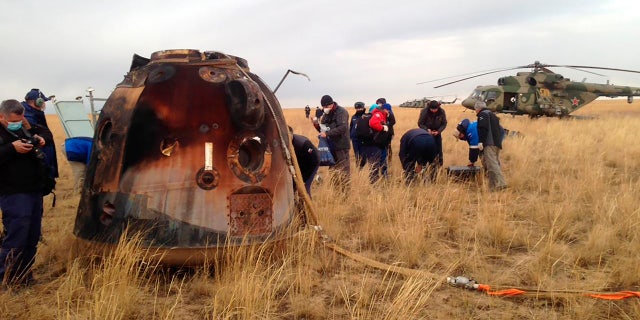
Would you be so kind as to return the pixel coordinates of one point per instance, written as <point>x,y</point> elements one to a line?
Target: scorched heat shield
<point>188,149</point>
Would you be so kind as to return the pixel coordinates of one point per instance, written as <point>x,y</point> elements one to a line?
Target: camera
<point>36,150</point>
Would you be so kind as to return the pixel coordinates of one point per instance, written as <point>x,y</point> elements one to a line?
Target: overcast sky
<point>352,50</point>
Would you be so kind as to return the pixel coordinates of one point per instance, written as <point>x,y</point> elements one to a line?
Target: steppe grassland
<point>568,221</point>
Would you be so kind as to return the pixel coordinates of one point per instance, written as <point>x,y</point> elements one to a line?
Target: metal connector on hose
<point>323,236</point>
<point>463,282</point>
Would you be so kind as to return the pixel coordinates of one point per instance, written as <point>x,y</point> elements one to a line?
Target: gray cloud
<point>353,50</point>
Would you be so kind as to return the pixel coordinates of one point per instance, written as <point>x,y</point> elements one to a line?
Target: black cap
<point>433,104</point>
<point>359,105</point>
<point>463,125</point>
<point>326,100</point>
<point>381,101</point>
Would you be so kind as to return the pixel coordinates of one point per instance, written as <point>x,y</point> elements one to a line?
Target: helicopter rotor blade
<point>598,74</point>
<point>600,68</point>
<point>478,75</point>
<point>537,66</point>
<point>464,74</point>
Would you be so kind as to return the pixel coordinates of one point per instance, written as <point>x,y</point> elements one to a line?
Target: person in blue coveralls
<point>468,131</point>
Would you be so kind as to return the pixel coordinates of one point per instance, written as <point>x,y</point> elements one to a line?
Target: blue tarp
<point>78,149</point>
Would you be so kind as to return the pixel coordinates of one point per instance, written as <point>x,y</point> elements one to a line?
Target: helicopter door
<point>510,102</point>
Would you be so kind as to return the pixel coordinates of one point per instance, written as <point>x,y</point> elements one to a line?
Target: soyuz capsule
<point>189,149</point>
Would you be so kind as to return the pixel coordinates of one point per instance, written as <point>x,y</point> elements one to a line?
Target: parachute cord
<point>470,284</point>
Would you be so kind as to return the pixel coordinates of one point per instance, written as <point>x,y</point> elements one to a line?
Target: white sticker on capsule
<point>208,156</point>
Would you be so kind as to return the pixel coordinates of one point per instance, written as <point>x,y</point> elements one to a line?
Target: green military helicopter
<point>421,103</point>
<point>542,92</point>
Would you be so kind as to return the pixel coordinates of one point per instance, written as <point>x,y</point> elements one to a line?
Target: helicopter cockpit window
<point>490,96</point>
<point>476,94</point>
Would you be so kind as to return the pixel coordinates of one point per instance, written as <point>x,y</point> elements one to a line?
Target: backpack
<point>364,133</point>
<point>367,136</point>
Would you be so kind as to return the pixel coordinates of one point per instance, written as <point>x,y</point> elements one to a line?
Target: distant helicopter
<point>191,148</point>
<point>542,92</point>
<point>421,103</point>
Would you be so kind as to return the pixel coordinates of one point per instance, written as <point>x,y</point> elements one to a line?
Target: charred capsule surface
<point>188,149</point>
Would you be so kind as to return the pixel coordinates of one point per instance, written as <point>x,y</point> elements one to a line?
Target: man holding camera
<point>22,175</point>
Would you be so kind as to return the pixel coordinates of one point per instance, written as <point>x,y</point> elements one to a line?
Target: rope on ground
<point>465,283</point>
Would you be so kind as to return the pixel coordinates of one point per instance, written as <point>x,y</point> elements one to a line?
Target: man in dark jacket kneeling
<point>418,151</point>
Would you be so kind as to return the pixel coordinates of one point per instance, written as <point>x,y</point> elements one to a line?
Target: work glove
<point>480,146</point>
<point>385,128</point>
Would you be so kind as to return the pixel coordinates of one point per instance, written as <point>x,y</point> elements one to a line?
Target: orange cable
<point>615,295</point>
<point>620,295</point>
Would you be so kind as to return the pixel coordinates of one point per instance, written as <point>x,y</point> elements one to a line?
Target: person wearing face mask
<point>21,180</point>
<point>35,102</point>
<point>334,125</point>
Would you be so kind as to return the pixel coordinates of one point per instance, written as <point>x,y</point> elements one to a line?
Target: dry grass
<point>568,221</point>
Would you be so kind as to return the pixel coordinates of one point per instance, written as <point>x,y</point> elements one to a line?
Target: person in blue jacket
<point>35,102</point>
<point>468,131</point>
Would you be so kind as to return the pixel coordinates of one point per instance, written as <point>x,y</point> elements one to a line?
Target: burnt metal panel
<point>250,214</point>
<point>188,152</point>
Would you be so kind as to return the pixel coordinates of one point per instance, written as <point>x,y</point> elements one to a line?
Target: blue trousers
<point>357,146</point>
<point>22,222</point>
<point>372,155</point>
<point>309,181</point>
<point>384,160</point>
